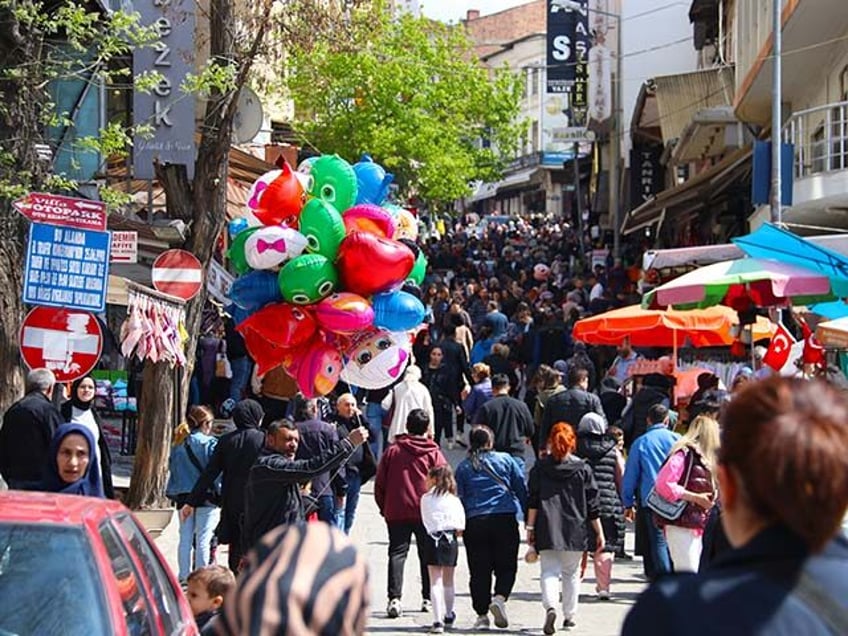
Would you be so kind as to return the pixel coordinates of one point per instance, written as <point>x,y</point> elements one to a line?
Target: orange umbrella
<point>708,327</point>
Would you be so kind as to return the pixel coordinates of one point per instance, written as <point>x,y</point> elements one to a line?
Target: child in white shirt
<point>444,519</point>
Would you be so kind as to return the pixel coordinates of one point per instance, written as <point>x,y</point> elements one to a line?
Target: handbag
<point>368,467</point>
<point>666,510</point>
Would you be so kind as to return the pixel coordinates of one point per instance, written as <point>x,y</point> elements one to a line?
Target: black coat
<point>599,453</point>
<point>566,496</point>
<point>456,360</point>
<point>636,418</point>
<point>28,427</point>
<point>568,406</point>
<point>748,591</point>
<point>511,421</point>
<point>316,436</point>
<point>102,447</point>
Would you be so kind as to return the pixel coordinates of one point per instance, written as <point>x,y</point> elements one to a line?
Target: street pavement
<point>598,618</point>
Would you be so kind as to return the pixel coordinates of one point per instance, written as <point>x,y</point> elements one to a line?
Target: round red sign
<point>178,273</point>
<point>66,341</point>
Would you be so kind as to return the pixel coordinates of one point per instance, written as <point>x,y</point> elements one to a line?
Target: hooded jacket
<point>599,453</point>
<point>566,495</point>
<point>403,469</point>
<point>405,396</point>
<point>234,455</point>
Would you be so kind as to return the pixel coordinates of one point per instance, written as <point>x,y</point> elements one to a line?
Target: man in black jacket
<point>510,419</point>
<point>28,427</point>
<point>272,495</point>
<point>570,405</point>
<point>234,455</point>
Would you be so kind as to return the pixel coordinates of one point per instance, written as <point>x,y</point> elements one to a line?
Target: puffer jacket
<point>599,452</point>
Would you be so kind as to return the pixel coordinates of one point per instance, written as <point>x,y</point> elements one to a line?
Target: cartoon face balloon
<point>307,279</point>
<point>254,290</point>
<point>318,369</point>
<point>369,264</point>
<point>541,272</point>
<point>344,313</point>
<point>282,200</point>
<point>407,225</point>
<point>236,252</point>
<point>333,181</point>
<point>372,180</point>
<point>323,228</point>
<point>367,217</point>
<point>258,189</point>
<point>270,246</point>
<point>376,360</point>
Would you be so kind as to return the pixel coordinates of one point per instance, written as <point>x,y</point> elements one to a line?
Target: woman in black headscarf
<point>80,409</point>
<point>71,469</point>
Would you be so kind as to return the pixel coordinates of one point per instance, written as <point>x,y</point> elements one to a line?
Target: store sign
<point>218,282</point>
<point>166,110</point>
<point>568,44</point>
<point>124,247</point>
<point>67,268</point>
<point>54,209</point>
<point>646,179</point>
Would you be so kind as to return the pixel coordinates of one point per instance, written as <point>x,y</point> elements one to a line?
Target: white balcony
<point>820,165</point>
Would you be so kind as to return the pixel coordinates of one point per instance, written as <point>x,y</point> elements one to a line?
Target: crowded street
<point>346,317</point>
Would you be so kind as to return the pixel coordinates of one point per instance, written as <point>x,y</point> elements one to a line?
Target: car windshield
<point>49,583</point>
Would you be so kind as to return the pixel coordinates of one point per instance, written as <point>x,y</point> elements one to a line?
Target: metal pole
<point>776,116</point>
<point>615,146</point>
<point>578,201</point>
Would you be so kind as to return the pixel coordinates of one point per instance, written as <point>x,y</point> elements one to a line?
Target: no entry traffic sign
<point>67,342</point>
<point>54,209</point>
<point>178,273</point>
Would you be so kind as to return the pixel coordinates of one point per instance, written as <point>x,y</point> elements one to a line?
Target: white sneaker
<point>498,609</point>
<point>482,623</point>
<point>451,444</point>
<point>603,595</point>
<point>394,610</point>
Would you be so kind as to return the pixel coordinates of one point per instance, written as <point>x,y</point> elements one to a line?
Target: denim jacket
<point>183,473</point>
<point>482,495</point>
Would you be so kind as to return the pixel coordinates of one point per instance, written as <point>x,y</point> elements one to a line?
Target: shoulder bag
<point>669,511</point>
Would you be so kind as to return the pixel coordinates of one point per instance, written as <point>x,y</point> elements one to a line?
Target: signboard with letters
<point>218,282</point>
<point>167,111</point>
<point>40,207</point>
<point>67,267</point>
<point>646,175</point>
<point>568,44</point>
<point>124,247</point>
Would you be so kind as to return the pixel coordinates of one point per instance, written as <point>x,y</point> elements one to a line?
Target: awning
<point>484,191</point>
<point>711,133</point>
<point>692,194</point>
<point>690,256</point>
<point>516,179</point>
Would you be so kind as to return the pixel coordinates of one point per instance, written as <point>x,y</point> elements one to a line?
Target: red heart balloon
<point>368,264</point>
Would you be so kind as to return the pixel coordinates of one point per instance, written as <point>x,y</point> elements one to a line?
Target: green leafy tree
<point>410,92</point>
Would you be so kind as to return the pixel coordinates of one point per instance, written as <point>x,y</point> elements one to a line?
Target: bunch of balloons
<point>329,275</point>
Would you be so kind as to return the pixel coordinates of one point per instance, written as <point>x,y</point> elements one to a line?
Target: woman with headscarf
<point>600,451</point>
<point>189,457</point>
<point>71,467</point>
<point>80,409</point>
<point>782,471</point>
<point>563,501</point>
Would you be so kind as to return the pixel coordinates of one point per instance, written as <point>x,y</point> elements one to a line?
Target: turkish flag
<point>813,350</point>
<point>779,349</point>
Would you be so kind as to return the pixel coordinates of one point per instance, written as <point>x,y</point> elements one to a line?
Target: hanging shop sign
<point>166,112</point>
<point>67,342</point>
<point>646,179</point>
<point>568,45</point>
<point>124,247</point>
<point>67,267</point>
<point>54,209</point>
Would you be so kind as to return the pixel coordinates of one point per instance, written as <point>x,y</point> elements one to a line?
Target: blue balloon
<point>235,226</point>
<point>238,314</point>
<point>397,311</point>
<point>373,181</point>
<point>254,290</point>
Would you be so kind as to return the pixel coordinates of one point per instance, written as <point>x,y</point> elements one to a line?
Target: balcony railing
<point>820,137</point>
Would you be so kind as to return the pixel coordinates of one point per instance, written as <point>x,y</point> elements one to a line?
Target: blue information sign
<point>67,267</point>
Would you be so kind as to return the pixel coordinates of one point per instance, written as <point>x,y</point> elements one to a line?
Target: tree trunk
<point>11,317</point>
<point>155,414</point>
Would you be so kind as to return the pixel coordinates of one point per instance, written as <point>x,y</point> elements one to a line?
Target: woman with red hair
<point>563,501</point>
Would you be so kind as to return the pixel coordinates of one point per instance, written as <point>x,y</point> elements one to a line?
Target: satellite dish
<point>248,120</point>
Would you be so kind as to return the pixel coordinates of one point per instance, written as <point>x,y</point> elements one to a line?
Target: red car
<point>82,566</point>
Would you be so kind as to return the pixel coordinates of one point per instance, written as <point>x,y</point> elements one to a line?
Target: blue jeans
<point>241,368</point>
<point>197,529</point>
<point>374,417</point>
<point>658,561</point>
<point>346,515</point>
<point>327,509</point>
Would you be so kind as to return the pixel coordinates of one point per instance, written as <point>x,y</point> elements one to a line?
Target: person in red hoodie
<point>405,466</point>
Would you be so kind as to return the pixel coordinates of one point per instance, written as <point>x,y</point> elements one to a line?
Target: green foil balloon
<point>236,251</point>
<point>334,182</point>
<point>323,227</point>
<point>419,270</point>
<point>307,279</point>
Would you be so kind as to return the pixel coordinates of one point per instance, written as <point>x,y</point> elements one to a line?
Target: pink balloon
<point>344,313</point>
<point>367,217</point>
<point>317,372</point>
